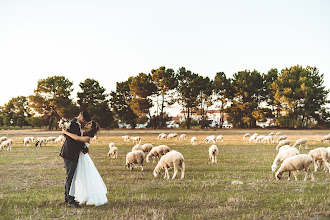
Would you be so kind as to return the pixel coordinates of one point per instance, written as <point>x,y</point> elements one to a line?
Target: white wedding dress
<point>87,185</point>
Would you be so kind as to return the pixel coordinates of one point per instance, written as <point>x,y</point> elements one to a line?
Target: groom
<point>70,153</point>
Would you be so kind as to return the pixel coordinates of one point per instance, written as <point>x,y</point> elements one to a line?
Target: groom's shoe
<point>74,204</point>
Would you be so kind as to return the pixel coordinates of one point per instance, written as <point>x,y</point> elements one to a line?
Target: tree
<point>15,112</point>
<point>188,91</point>
<point>51,99</point>
<point>270,90</point>
<point>165,81</point>
<point>119,104</point>
<point>204,98</point>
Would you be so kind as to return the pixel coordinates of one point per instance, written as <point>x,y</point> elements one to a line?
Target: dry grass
<point>32,181</point>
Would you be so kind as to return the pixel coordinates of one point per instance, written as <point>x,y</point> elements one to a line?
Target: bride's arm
<point>76,137</point>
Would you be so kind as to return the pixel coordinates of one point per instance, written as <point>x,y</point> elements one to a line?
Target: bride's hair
<point>94,129</point>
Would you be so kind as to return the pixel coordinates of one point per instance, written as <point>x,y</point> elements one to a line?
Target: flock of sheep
<point>288,157</point>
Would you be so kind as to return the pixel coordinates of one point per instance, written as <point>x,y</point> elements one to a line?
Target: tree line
<point>293,98</point>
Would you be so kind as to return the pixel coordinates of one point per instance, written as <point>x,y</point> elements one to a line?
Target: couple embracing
<point>83,183</point>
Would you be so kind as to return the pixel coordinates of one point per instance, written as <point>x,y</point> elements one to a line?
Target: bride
<point>87,185</point>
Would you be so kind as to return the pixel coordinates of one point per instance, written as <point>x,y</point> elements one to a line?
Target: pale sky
<point>112,40</point>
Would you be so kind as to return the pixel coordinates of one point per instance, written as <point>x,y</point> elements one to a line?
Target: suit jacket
<point>71,148</point>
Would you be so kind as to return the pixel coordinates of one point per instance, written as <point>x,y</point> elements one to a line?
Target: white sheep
<point>281,138</point>
<point>6,144</point>
<point>172,159</point>
<point>136,139</point>
<point>271,134</point>
<point>193,140</point>
<point>253,137</point>
<point>28,140</point>
<point>277,133</point>
<point>213,153</point>
<point>210,139</point>
<point>40,141</point>
<point>60,139</point>
<point>284,148</point>
<point>172,136</point>
<point>147,147</point>
<point>320,155</point>
<point>300,142</point>
<point>282,143</point>
<point>137,147</point>
<point>134,157</point>
<point>283,154</point>
<point>3,138</point>
<point>113,150</point>
<point>219,138</point>
<point>259,138</point>
<point>126,138</point>
<point>157,152</point>
<point>49,139</point>
<point>162,136</point>
<point>246,135</point>
<point>294,163</point>
<point>326,138</point>
<point>268,139</point>
<point>183,137</point>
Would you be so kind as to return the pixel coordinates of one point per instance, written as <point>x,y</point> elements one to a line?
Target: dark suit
<point>70,153</point>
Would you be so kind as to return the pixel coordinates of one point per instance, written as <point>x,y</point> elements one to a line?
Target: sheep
<point>147,147</point>
<point>282,155</point>
<point>28,140</point>
<point>183,137</point>
<point>282,143</point>
<point>60,139</point>
<point>268,139</point>
<point>172,136</point>
<point>41,140</point>
<point>326,138</point>
<point>3,139</point>
<point>259,138</point>
<point>246,135</point>
<point>281,138</point>
<point>284,148</point>
<point>320,155</point>
<point>172,159</point>
<point>162,136</point>
<point>219,138</point>
<point>49,139</point>
<point>193,140</point>
<point>271,134</point>
<point>134,157</point>
<point>209,139</point>
<point>113,150</point>
<point>126,138</point>
<point>137,147</point>
<point>277,133</point>
<point>294,163</point>
<point>300,142</point>
<point>6,144</point>
<point>213,153</point>
<point>136,139</point>
<point>157,152</point>
<point>253,137</point>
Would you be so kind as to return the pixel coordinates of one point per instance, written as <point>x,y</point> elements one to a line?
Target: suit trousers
<point>70,167</point>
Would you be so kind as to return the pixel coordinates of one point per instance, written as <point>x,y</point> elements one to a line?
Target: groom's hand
<point>85,150</point>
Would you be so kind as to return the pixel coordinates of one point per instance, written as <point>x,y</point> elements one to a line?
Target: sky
<point>111,40</point>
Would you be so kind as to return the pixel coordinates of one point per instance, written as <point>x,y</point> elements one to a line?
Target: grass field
<point>32,180</point>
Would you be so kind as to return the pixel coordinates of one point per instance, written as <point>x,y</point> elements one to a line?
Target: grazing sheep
<point>162,136</point>
<point>40,141</point>
<point>213,153</point>
<point>209,139</point>
<point>300,142</point>
<point>157,152</point>
<point>126,138</point>
<point>49,139</point>
<point>113,150</point>
<point>171,159</point>
<point>326,138</point>
<point>284,148</point>
<point>147,147</point>
<point>60,139</point>
<point>259,138</point>
<point>6,144</point>
<point>246,135</point>
<point>3,139</point>
<point>253,137</point>
<point>320,155</point>
<point>294,163</point>
<point>193,140</point>
<point>282,143</point>
<point>28,140</point>
<point>268,139</point>
<point>277,133</point>
<point>134,157</point>
<point>172,136</point>
<point>271,134</point>
<point>136,139</point>
<point>137,147</point>
<point>219,138</point>
<point>282,155</point>
<point>183,137</point>
<point>281,138</point>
